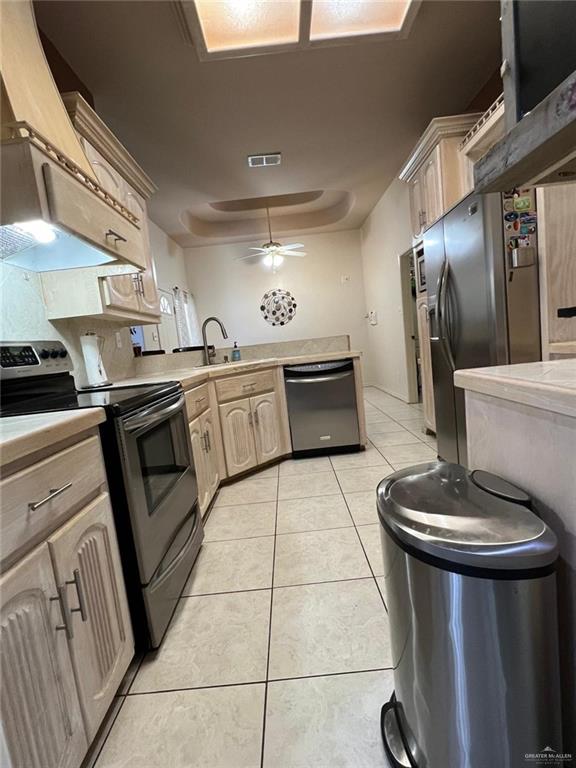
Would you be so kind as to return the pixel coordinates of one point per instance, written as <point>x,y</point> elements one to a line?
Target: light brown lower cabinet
<point>65,641</point>
<point>266,426</point>
<point>87,562</point>
<point>41,718</point>
<point>203,442</point>
<point>250,432</point>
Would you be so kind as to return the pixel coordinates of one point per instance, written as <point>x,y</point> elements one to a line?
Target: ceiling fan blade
<point>292,246</point>
<point>260,250</point>
<point>292,253</point>
<point>247,256</point>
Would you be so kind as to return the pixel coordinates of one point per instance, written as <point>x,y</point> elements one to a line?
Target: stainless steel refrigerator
<point>483,299</point>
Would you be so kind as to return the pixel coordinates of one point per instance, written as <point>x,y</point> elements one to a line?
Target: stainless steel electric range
<point>150,469</point>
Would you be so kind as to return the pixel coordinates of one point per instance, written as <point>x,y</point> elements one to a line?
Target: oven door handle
<point>153,415</point>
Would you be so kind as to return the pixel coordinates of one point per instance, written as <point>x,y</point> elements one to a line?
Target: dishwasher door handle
<point>321,379</point>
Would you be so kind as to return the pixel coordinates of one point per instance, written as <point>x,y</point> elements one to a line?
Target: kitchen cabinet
<point>266,427</point>
<point>197,440</point>
<point>251,432</point>
<point>87,564</point>
<point>432,193</point>
<point>434,170</point>
<point>212,474</point>
<point>238,436</point>
<point>425,363</point>
<point>557,269</point>
<point>41,719</point>
<point>65,632</point>
<point>132,297</point>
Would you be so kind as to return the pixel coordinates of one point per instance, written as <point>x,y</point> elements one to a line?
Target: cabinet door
<point>148,299</point>
<point>432,188</point>
<point>86,559</point>
<point>416,212</point>
<point>212,473</point>
<point>238,436</point>
<point>41,719</point>
<point>266,426</point>
<point>199,454</point>
<point>426,364</point>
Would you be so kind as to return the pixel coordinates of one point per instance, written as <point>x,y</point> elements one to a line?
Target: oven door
<point>159,476</point>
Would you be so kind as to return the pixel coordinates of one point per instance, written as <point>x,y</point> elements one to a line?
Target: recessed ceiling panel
<point>348,18</point>
<point>232,24</point>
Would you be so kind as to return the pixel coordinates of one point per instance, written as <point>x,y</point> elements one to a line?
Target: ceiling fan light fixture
<point>273,261</point>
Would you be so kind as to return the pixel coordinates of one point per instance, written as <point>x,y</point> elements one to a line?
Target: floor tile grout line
<point>96,757</point>
<point>258,682</point>
<point>270,626</point>
<point>364,548</point>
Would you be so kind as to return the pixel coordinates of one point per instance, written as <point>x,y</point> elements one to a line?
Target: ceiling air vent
<point>261,161</point>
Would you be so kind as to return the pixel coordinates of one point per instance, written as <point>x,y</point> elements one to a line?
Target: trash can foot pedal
<point>393,738</point>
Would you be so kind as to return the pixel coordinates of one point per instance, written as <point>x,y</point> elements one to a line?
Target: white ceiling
<point>344,117</point>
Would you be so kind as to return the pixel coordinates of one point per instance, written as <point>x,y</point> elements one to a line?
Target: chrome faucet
<point>207,354</point>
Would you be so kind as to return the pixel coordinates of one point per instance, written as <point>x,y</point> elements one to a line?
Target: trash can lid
<point>474,520</point>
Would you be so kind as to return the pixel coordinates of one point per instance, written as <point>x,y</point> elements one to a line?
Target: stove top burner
<point>57,393</point>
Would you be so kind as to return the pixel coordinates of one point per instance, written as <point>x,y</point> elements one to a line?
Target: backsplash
<point>23,318</point>
<point>181,360</point>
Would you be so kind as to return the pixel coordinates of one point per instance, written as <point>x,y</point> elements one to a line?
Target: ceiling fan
<point>273,253</point>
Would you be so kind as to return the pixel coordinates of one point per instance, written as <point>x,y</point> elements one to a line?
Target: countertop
<point>22,435</point>
<point>548,385</point>
<point>189,377</point>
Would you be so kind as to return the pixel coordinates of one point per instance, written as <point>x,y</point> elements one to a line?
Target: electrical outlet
<point>118,340</point>
<point>345,279</point>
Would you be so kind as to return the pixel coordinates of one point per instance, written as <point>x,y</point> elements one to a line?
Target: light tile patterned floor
<point>278,654</point>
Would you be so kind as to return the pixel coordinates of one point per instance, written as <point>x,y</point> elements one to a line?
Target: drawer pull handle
<point>256,418</point>
<point>248,386</point>
<point>204,441</point>
<point>117,238</point>
<point>66,625</point>
<point>77,581</point>
<point>208,443</point>
<point>200,400</point>
<point>33,506</point>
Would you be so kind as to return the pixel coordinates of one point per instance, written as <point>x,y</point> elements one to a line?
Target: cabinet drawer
<point>77,472</point>
<point>197,401</point>
<point>79,210</point>
<point>244,386</point>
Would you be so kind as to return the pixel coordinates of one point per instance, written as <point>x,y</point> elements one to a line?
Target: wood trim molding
<point>540,149</point>
<point>94,130</point>
<point>439,128</point>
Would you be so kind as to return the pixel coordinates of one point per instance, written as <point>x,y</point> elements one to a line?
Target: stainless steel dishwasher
<point>322,406</point>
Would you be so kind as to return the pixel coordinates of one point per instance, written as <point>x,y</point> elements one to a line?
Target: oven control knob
<point>54,353</point>
<point>44,354</point>
<point>63,353</point>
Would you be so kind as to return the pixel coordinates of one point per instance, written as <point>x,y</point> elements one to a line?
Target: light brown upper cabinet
<point>115,294</point>
<point>433,170</point>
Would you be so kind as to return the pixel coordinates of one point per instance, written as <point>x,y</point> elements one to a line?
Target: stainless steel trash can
<point>471,594</point>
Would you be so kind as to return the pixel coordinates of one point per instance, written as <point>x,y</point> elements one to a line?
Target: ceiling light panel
<point>236,24</point>
<point>349,18</point>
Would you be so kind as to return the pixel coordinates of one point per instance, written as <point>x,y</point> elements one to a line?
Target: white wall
<point>385,235</point>
<point>168,259</point>
<point>232,290</point>
<point>23,316</point>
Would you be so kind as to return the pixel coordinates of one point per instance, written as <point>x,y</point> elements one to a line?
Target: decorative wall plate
<point>278,307</point>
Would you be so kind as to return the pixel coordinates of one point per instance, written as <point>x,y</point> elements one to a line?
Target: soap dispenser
<point>235,352</point>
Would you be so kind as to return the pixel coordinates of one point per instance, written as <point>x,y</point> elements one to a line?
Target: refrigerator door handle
<point>442,312</point>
